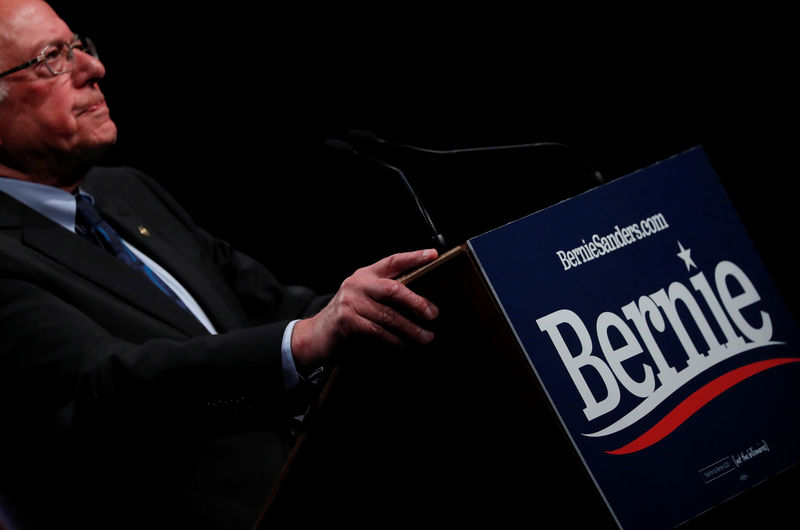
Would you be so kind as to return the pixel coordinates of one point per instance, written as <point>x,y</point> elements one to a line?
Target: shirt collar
<point>54,203</point>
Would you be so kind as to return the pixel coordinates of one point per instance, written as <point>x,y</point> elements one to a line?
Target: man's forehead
<point>27,25</point>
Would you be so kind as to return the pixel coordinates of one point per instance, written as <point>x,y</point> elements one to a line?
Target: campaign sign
<point>658,336</point>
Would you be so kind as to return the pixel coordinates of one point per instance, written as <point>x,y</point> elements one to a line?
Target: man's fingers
<point>386,323</point>
<point>370,302</point>
<point>396,264</point>
<point>391,292</point>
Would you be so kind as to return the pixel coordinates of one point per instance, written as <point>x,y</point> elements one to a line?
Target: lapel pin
<point>144,231</point>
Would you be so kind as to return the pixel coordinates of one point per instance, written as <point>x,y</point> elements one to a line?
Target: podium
<point>465,430</point>
<point>449,432</point>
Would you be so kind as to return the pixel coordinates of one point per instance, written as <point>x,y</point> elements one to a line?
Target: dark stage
<point>230,111</point>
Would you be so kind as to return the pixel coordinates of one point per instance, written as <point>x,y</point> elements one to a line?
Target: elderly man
<point>148,371</point>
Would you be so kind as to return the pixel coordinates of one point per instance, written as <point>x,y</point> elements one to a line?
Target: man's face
<point>47,120</point>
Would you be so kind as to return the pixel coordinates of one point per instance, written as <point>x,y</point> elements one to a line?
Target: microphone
<point>346,148</point>
<point>367,136</point>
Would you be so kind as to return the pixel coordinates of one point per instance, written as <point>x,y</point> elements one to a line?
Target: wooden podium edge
<point>447,256</point>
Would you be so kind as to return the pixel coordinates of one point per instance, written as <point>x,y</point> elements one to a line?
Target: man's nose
<point>88,68</point>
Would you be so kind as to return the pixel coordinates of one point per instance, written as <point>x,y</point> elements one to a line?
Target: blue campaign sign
<point>658,336</point>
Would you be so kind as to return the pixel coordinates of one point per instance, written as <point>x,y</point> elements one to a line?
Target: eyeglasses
<point>58,57</point>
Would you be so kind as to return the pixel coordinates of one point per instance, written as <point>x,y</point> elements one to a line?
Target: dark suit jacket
<point>118,409</point>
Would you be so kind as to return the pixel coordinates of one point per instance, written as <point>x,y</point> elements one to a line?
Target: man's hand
<point>370,303</point>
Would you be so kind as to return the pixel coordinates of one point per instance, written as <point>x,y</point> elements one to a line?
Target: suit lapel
<point>103,269</point>
<point>154,243</point>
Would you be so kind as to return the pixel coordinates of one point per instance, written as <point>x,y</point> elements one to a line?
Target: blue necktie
<point>91,226</point>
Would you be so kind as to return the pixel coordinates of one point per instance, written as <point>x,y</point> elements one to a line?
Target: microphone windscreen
<point>338,146</point>
<point>358,135</point>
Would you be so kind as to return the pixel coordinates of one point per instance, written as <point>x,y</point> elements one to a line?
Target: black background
<point>229,108</point>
